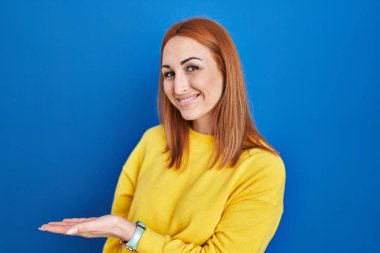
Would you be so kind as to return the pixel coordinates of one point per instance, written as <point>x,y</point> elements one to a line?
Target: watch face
<point>141,224</point>
<point>125,244</point>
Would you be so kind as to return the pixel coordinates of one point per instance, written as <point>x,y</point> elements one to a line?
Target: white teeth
<point>187,99</point>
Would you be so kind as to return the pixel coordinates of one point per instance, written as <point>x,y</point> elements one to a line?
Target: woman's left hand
<point>104,226</point>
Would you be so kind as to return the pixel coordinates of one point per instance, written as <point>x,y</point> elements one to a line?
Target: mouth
<point>187,101</point>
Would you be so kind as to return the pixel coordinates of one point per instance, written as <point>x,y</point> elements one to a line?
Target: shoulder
<point>260,176</point>
<point>265,167</point>
<point>264,158</point>
<point>154,137</point>
<point>156,131</point>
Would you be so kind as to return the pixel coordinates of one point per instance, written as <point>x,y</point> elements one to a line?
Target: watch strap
<point>132,243</point>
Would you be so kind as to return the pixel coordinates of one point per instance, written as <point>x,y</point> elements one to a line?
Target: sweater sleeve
<point>249,221</point>
<point>124,191</point>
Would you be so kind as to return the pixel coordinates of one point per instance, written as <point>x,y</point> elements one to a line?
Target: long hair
<point>232,125</point>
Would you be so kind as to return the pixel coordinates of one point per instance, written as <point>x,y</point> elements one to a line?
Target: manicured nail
<point>41,228</point>
<point>72,231</point>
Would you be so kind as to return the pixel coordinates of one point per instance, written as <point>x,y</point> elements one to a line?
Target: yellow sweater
<point>196,209</point>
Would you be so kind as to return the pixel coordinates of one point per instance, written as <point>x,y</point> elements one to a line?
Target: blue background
<point>78,84</point>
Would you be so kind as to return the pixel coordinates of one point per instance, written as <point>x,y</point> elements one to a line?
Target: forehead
<point>180,47</point>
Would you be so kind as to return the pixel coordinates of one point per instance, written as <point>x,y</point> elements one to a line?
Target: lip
<point>186,96</point>
<point>187,103</point>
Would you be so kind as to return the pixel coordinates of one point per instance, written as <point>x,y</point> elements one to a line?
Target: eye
<point>168,74</point>
<point>192,68</point>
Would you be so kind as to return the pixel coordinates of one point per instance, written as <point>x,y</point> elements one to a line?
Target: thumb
<point>72,231</point>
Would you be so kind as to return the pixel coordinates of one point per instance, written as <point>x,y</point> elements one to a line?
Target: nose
<point>181,84</point>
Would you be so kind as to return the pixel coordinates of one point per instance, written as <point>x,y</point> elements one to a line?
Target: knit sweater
<point>197,209</point>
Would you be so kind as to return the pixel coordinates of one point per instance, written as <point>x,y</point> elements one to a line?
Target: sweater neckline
<point>199,137</point>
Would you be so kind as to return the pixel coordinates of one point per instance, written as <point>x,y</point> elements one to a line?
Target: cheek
<point>217,86</point>
<point>211,88</point>
<point>200,83</point>
<point>167,89</point>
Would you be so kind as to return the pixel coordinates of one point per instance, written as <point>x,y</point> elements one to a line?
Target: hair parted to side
<point>233,127</point>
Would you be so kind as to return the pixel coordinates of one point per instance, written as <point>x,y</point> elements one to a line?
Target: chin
<point>189,116</point>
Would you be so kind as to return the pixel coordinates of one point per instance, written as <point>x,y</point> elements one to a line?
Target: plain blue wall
<point>78,83</point>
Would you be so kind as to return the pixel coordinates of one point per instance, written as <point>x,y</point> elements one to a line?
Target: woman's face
<point>192,81</point>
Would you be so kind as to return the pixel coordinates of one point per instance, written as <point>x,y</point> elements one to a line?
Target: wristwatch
<point>132,243</point>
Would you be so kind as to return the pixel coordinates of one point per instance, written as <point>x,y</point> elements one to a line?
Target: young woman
<point>204,180</point>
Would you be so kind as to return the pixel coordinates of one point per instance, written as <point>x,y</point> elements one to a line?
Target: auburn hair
<point>233,128</point>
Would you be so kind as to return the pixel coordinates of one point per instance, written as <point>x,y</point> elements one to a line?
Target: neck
<point>202,127</point>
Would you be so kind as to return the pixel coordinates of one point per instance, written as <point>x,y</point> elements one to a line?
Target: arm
<point>248,223</point>
<point>251,216</point>
<point>114,226</point>
<point>124,191</point>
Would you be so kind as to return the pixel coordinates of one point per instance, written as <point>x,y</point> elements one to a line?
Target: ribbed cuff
<point>150,242</point>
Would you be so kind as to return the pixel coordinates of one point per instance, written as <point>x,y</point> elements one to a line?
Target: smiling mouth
<point>187,100</point>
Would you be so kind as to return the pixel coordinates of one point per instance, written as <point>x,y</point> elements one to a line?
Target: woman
<point>204,180</point>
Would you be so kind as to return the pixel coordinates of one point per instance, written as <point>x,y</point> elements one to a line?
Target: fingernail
<point>72,231</point>
<point>41,228</point>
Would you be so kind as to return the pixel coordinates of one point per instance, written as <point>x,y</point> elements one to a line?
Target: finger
<point>74,219</point>
<point>78,219</point>
<point>93,235</point>
<point>85,226</point>
<point>88,227</point>
<point>63,223</point>
<point>81,231</point>
<point>72,231</point>
<point>59,229</point>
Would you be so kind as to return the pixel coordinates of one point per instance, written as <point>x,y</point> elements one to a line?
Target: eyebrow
<point>183,62</point>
